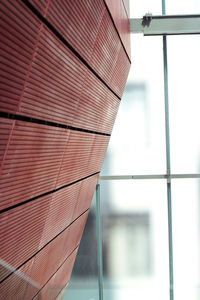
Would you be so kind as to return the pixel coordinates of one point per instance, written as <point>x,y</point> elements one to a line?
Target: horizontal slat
<point>166,25</point>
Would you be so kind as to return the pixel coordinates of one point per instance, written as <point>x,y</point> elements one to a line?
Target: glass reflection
<point>135,239</point>
<point>184,104</point>
<point>186,238</point>
<point>183,7</point>
<point>140,8</point>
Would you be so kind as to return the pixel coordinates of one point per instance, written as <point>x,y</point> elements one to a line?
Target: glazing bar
<point>99,242</point>
<point>169,195</point>
<point>157,176</point>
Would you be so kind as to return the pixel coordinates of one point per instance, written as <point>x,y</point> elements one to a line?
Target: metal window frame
<point>156,176</point>
<point>99,243</point>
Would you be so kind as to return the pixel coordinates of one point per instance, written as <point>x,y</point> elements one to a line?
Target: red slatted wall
<point>64,65</point>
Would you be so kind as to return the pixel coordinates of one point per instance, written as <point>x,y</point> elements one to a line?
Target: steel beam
<point>158,176</point>
<point>166,25</point>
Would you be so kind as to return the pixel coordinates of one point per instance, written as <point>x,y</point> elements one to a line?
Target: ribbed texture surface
<point>59,280</point>
<point>5,128</point>
<point>119,10</point>
<point>105,50</point>
<point>24,231</point>
<point>63,66</point>
<point>54,85</point>
<point>19,30</point>
<point>32,162</point>
<point>121,67</point>
<point>83,156</point>
<point>78,22</point>
<point>37,271</point>
<point>40,5</point>
<point>21,232</point>
<point>97,107</point>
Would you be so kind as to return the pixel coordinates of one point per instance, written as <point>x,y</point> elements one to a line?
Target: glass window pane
<point>186,238</point>
<point>182,7</point>
<point>135,239</point>
<point>84,280</point>
<point>137,144</point>
<point>139,8</point>
<point>184,104</point>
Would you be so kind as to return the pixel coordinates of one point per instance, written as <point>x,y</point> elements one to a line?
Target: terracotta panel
<point>40,5</point>
<point>84,198</point>
<point>35,273</point>
<point>5,130</point>
<point>106,49</point>
<point>57,252</point>
<point>121,72</point>
<point>55,82</point>
<point>19,30</point>
<point>59,280</point>
<point>25,230</point>
<point>66,205</point>
<point>81,158</point>
<point>16,285</point>
<point>32,162</point>
<point>97,107</point>
<point>21,231</point>
<point>118,10</point>
<point>43,79</point>
<point>78,22</point>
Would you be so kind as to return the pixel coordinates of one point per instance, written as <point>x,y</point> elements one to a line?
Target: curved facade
<point>64,65</point>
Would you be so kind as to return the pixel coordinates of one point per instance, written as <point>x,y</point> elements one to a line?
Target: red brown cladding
<point>64,65</point>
